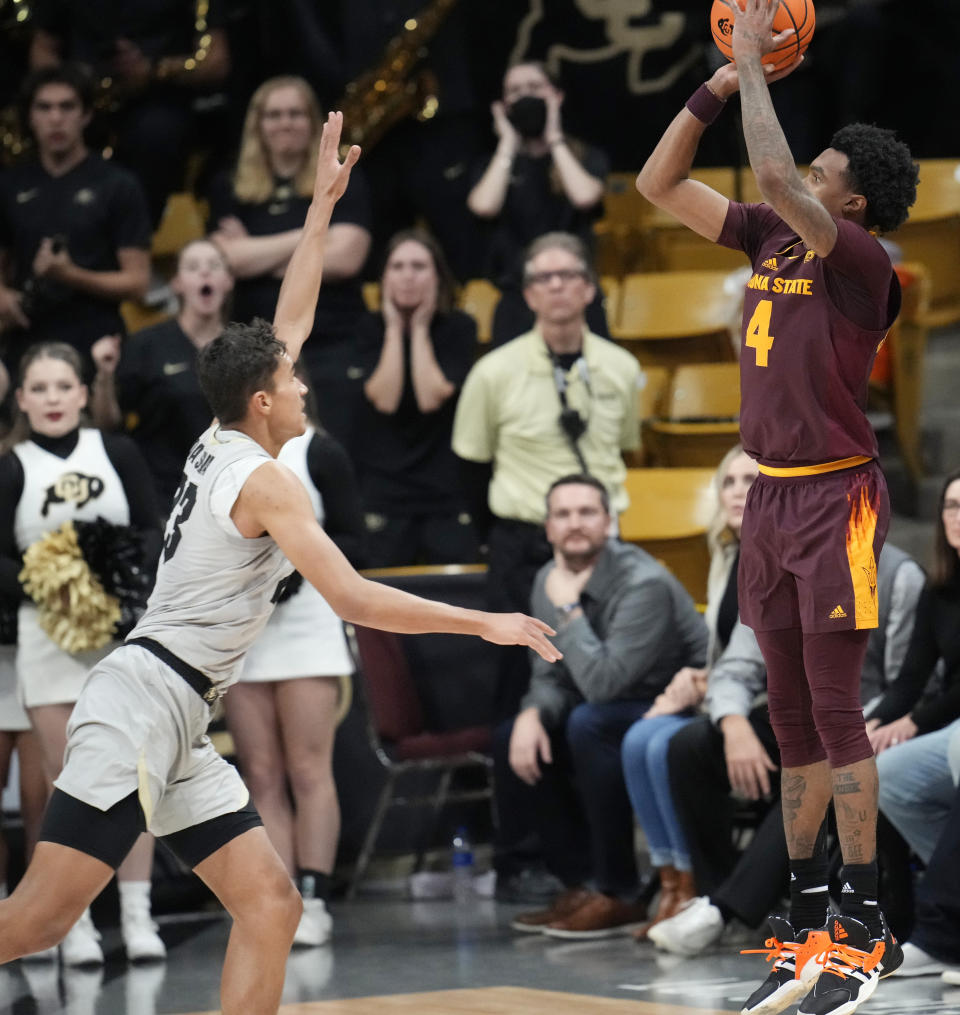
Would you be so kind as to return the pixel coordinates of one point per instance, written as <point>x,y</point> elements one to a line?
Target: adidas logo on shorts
<point>838,613</point>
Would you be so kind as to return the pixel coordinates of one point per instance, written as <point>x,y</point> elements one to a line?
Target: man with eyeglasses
<point>555,401</point>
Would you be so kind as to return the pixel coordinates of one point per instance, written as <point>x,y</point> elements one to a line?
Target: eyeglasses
<point>563,274</point>
<point>951,507</point>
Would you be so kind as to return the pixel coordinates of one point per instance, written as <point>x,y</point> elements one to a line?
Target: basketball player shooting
<point>818,304</point>
<point>137,753</point>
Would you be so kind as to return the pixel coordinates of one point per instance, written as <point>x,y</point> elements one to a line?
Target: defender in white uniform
<point>138,754</point>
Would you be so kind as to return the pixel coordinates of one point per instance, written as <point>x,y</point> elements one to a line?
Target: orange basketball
<point>795,14</point>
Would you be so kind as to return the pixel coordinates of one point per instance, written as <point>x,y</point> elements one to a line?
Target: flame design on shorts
<point>863,565</point>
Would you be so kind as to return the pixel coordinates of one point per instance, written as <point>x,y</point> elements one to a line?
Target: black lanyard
<point>573,425</point>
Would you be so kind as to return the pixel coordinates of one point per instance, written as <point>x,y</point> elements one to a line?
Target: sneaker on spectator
<point>916,962</point>
<point>798,961</point>
<point>951,975</point>
<point>141,941</point>
<point>532,885</point>
<point>698,925</point>
<point>81,946</point>
<point>600,916</point>
<point>562,906</point>
<point>316,925</point>
<point>855,964</point>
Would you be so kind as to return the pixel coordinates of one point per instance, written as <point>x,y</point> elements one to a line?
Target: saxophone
<point>393,89</point>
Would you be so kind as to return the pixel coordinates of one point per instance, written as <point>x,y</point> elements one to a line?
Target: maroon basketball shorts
<point>809,548</point>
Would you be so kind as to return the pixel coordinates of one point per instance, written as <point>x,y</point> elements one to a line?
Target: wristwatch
<point>567,608</point>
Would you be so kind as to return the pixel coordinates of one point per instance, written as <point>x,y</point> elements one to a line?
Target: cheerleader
<point>293,689</point>
<point>58,471</point>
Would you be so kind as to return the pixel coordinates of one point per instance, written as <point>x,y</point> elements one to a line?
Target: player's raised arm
<point>665,178</point>
<point>274,499</point>
<point>297,302</point>
<point>770,157</point>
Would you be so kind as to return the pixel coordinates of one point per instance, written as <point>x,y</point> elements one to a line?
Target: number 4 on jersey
<point>758,331</point>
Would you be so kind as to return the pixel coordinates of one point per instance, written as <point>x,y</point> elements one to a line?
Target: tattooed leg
<point>805,794</point>
<point>855,804</point>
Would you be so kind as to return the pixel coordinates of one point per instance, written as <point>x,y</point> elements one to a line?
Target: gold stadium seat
<point>931,236</point>
<point>620,231</point>
<point>896,385</point>
<point>610,287</point>
<point>700,420</point>
<point>654,382</point>
<point>371,296</point>
<point>672,246</point>
<point>136,316</point>
<point>669,513</point>
<point>183,221</point>
<point>673,317</point>
<point>479,298</point>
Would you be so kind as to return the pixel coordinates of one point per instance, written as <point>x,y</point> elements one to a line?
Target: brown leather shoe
<point>599,916</point>
<point>563,905</point>
<point>676,889</point>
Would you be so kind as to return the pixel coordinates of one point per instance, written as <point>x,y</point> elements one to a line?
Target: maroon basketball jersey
<point>811,329</point>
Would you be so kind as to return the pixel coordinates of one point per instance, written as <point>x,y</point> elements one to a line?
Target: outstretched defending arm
<point>297,302</point>
<point>770,155</point>
<point>273,499</point>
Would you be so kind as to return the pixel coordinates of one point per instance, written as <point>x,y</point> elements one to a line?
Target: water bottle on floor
<point>463,867</point>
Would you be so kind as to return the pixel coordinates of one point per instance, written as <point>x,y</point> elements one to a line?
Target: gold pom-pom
<point>74,608</point>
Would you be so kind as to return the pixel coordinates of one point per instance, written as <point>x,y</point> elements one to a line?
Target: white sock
<point>134,895</point>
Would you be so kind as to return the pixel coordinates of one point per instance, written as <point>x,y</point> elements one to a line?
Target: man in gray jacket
<point>625,626</point>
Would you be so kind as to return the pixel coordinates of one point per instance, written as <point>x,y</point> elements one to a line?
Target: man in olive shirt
<point>625,626</point>
<point>552,402</point>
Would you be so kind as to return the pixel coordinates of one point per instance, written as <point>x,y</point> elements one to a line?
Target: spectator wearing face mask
<point>537,181</point>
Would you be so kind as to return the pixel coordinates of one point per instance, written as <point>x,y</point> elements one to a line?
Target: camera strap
<point>568,413</point>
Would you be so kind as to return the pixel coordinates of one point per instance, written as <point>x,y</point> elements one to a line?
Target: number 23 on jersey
<point>758,335</point>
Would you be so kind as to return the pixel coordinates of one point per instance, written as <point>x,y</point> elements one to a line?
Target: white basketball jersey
<point>80,487</point>
<point>215,589</point>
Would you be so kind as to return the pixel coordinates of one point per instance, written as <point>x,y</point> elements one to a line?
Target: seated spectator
<point>625,625</point>
<point>644,748</point>
<point>157,59</point>
<point>416,353</point>
<point>149,383</point>
<point>258,218</point>
<point>537,181</point>
<point>911,728</point>
<point>283,711</point>
<point>934,944</point>
<point>553,401</point>
<point>733,749</point>
<point>74,230</point>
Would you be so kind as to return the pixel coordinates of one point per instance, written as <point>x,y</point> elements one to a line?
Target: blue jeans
<point>644,755</point>
<point>916,788</point>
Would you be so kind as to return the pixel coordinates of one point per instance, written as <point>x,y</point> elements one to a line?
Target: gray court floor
<point>392,946</point>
